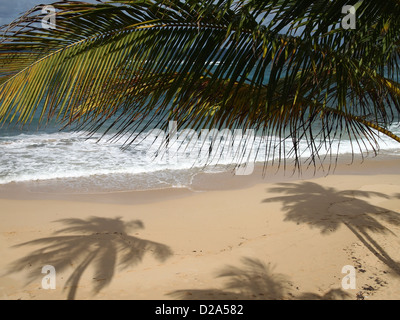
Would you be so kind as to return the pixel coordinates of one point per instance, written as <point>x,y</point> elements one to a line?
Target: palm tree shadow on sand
<point>327,209</point>
<point>254,281</point>
<point>102,243</point>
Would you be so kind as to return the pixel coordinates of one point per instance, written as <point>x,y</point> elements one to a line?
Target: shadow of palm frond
<point>333,294</point>
<point>327,209</point>
<point>102,243</point>
<point>255,281</point>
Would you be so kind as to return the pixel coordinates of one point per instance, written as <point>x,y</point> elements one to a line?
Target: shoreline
<point>278,239</point>
<point>202,182</point>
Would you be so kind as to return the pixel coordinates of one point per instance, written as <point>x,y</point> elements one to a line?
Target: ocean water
<point>84,163</point>
<point>87,164</point>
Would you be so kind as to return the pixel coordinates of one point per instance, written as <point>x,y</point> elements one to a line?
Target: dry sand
<point>281,238</point>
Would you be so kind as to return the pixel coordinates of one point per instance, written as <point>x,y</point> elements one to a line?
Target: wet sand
<point>228,237</point>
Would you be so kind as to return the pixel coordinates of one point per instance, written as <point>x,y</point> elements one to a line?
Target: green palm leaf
<point>284,66</point>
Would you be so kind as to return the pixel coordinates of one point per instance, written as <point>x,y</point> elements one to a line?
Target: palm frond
<point>275,66</point>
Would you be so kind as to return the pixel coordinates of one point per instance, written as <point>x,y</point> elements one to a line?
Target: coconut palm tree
<point>286,68</point>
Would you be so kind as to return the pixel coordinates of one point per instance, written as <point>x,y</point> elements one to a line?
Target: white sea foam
<point>44,156</point>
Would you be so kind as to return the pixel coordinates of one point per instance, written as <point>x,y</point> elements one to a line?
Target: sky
<point>12,9</point>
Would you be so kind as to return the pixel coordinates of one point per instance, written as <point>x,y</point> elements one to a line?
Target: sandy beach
<point>278,237</point>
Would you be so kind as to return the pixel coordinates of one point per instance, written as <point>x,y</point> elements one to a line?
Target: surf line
<point>210,142</point>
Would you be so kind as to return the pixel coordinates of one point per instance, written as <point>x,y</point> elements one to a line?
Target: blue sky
<point>12,9</point>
